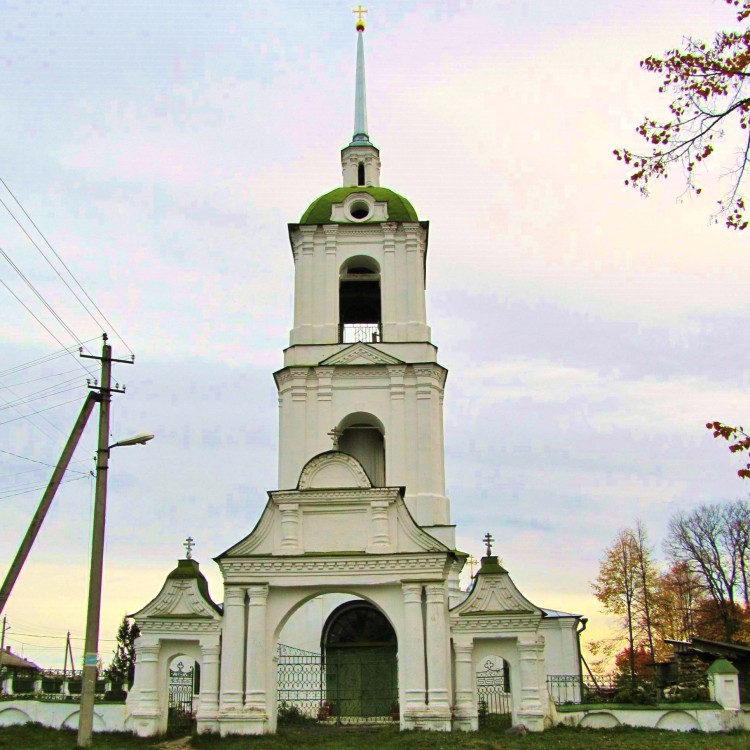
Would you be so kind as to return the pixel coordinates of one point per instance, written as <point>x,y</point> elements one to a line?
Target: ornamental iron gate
<point>342,686</point>
<point>181,684</point>
<point>493,693</point>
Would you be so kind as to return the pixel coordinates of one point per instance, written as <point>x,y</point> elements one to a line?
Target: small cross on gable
<point>188,544</point>
<point>488,539</point>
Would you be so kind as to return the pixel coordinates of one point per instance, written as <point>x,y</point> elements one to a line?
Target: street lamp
<point>91,648</point>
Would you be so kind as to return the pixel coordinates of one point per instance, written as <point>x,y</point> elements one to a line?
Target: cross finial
<point>472,562</point>
<point>188,545</point>
<point>360,24</point>
<point>335,434</point>
<point>488,539</point>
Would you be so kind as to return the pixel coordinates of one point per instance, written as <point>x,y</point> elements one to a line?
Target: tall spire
<point>360,100</point>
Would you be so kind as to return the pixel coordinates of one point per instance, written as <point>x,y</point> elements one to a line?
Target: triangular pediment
<point>337,521</point>
<point>181,597</point>
<point>495,593</point>
<point>361,354</point>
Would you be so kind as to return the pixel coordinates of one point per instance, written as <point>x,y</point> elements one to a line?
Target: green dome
<point>319,211</point>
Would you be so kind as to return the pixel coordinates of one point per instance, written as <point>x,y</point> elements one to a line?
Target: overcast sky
<point>162,149</point>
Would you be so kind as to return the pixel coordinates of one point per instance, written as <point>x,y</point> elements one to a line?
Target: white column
<point>147,677</point>
<point>411,650</point>
<point>232,648</point>
<point>438,648</point>
<point>210,653</point>
<point>531,712</point>
<point>256,651</point>
<point>388,280</point>
<point>325,408</point>
<point>331,286</point>
<point>290,541</point>
<point>380,538</point>
<point>463,648</point>
<point>395,464</point>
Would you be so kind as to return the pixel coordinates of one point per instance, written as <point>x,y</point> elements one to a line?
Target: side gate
<point>493,693</point>
<point>181,687</point>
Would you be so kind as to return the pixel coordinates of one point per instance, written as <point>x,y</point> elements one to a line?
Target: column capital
<point>258,594</point>
<point>435,592</point>
<point>463,645</point>
<point>234,596</point>
<point>412,591</point>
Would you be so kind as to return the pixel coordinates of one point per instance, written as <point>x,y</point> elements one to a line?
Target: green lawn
<point>37,738</point>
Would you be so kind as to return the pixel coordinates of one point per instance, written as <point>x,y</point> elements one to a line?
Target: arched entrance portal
<point>360,664</point>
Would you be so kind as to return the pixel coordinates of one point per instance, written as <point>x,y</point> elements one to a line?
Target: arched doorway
<point>359,649</point>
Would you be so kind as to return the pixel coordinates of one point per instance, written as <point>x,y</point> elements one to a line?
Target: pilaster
<point>232,649</point>
<point>209,705</point>
<point>412,655</point>
<point>465,715</point>
<point>531,655</point>
<point>147,713</point>
<point>256,651</point>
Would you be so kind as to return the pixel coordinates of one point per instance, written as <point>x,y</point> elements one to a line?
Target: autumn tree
<point>710,108</point>
<point>679,601</point>
<point>626,586</point>
<point>738,439</point>
<point>714,542</point>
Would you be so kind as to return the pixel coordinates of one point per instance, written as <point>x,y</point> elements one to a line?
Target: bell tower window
<point>359,301</point>
<point>361,173</point>
<point>362,437</point>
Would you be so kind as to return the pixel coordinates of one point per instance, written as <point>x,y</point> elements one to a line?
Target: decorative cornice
<point>390,566</point>
<point>361,351</point>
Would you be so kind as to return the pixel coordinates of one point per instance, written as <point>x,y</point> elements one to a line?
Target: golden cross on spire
<point>360,25</point>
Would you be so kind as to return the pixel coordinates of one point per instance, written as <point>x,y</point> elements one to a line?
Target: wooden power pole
<point>91,647</point>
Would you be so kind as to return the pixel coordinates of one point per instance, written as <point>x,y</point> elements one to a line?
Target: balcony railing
<point>352,333</point>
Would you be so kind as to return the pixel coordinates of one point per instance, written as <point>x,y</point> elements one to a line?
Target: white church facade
<point>352,572</point>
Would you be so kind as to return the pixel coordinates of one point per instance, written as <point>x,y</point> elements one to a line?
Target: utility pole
<point>91,647</point>
<point>46,501</point>
<point>2,651</point>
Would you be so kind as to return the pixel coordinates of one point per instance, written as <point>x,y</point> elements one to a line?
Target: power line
<point>41,234</point>
<point>32,422</point>
<point>44,393</point>
<point>39,296</point>
<point>41,487</point>
<point>33,315</point>
<point>36,380</point>
<point>44,359</point>
<point>49,408</point>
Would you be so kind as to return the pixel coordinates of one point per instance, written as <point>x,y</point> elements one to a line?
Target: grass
<point>32,737</point>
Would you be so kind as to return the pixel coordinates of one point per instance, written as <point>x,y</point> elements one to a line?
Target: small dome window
<point>359,210</point>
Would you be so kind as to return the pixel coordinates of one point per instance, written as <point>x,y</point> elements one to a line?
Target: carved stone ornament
<point>179,598</point>
<point>333,469</point>
<point>495,593</point>
<point>361,354</point>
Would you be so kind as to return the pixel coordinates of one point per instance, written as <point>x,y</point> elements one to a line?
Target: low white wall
<point>678,719</point>
<point>108,717</point>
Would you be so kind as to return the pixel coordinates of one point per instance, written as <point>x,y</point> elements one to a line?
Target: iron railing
<point>353,333</point>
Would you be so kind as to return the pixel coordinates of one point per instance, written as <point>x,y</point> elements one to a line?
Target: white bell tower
<point>361,374</point>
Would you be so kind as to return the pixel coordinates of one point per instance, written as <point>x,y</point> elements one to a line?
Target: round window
<point>359,210</point>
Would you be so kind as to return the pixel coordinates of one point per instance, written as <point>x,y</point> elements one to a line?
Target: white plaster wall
<point>407,400</point>
<point>560,646</point>
<point>108,717</point>
<point>320,252</point>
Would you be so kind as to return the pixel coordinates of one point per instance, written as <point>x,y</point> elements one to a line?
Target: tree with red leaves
<point>737,437</point>
<point>708,83</point>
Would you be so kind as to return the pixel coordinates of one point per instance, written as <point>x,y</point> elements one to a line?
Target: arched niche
<point>363,436</point>
<point>359,300</point>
